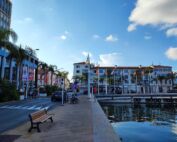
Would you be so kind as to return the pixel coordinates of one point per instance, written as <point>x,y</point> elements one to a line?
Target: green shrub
<point>8,91</point>
<point>50,89</point>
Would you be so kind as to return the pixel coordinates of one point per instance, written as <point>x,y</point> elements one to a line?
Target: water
<point>143,123</point>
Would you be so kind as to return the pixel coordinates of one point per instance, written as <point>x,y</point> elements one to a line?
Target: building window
<point>86,66</point>
<point>77,66</point>
<point>77,71</point>
<point>125,71</point>
<point>101,71</point>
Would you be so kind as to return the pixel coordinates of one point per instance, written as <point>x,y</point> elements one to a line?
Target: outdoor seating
<point>37,118</point>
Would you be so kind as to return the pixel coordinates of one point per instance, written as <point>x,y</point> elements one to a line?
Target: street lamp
<point>89,96</point>
<point>31,54</point>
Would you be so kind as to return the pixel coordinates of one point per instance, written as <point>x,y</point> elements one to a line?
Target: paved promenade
<point>83,122</point>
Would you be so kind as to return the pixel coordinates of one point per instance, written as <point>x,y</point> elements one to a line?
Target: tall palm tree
<point>171,76</point>
<point>13,54</point>
<point>160,78</point>
<point>147,72</point>
<point>52,69</point>
<point>5,34</point>
<point>64,76</point>
<point>138,77</point>
<point>20,57</point>
<point>44,68</point>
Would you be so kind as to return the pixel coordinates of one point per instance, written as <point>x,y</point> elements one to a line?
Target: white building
<point>123,79</point>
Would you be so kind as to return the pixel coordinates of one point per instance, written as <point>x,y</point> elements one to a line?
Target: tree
<point>64,75</point>
<point>5,34</point>
<point>13,54</point>
<point>44,68</point>
<point>171,76</point>
<point>20,57</point>
<point>19,54</point>
<point>160,78</point>
<point>52,69</point>
<point>147,72</point>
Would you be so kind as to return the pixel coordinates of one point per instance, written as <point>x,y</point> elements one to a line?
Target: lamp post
<point>89,96</point>
<point>32,53</point>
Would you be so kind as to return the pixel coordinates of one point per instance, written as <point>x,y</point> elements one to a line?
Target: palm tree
<point>13,54</point>
<point>171,76</point>
<point>20,57</point>
<point>160,78</point>
<point>52,69</point>
<point>44,68</point>
<point>148,71</point>
<point>4,37</point>
<point>5,34</point>
<point>137,75</point>
<point>64,75</point>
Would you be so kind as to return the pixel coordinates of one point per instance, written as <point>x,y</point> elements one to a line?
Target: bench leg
<point>38,128</point>
<point>29,130</point>
<point>51,119</point>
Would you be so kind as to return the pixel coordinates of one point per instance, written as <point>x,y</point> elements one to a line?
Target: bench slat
<point>41,119</point>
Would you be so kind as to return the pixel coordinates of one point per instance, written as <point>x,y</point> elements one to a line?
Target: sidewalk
<point>72,123</point>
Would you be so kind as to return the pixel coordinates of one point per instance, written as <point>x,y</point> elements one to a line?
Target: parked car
<point>57,96</point>
<point>42,91</point>
<point>131,91</point>
<point>172,91</point>
<point>118,90</point>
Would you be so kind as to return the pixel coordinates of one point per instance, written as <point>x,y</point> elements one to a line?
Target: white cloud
<point>171,32</point>
<point>110,59</point>
<point>171,53</point>
<point>85,54</point>
<point>25,20</point>
<point>96,36</point>
<point>66,32</point>
<point>131,27</point>
<point>111,38</point>
<point>63,37</point>
<point>147,37</point>
<point>28,19</point>
<point>153,12</point>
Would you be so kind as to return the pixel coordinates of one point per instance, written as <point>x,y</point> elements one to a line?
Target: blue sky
<point>113,32</point>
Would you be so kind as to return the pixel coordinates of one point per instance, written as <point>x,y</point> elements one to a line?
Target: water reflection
<point>158,120</point>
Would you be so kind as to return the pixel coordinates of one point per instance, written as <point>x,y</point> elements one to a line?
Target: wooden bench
<point>37,118</point>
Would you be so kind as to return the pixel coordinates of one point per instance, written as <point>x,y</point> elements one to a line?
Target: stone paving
<point>83,122</point>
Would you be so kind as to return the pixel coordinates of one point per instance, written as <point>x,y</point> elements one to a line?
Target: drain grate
<point>8,138</point>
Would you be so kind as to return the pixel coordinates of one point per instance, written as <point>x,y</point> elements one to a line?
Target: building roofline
<point>80,63</point>
<point>131,67</point>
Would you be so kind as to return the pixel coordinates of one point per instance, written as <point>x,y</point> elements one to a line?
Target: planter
<point>22,97</point>
<point>43,94</point>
